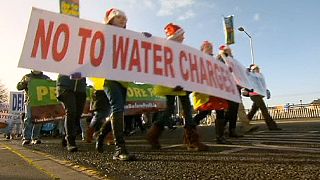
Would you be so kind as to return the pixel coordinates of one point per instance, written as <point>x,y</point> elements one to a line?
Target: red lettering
<point>156,59</point>
<point>146,46</point>
<point>44,38</point>
<point>84,33</point>
<point>135,57</point>
<point>211,73</point>
<point>168,61</point>
<point>120,50</point>
<point>229,83</point>
<point>193,67</point>
<point>96,61</point>
<point>183,57</point>
<point>58,56</point>
<point>203,73</point>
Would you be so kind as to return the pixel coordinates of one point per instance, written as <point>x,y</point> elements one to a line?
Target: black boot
<point>117,129</point>
<point>63,141</point>
<point>219,125</point>
<point>233,133</point>
<point>105,129</point>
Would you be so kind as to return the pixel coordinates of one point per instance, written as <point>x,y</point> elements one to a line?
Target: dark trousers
<point>232,114</point>
<point>201,115</point>
<point>74,103</point>
<point>258,103</point>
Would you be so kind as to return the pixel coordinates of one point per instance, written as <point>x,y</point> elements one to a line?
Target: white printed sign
<point>65,45</point>
<point>17,102</point>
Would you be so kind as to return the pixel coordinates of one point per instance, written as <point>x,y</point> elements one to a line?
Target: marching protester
<point>191,136</point>
<point>205,104</point>
<point>31,130</point>
<point>71,91</point>
<point>232,113</point>
<point>117,93</point>
<point>258,103</point>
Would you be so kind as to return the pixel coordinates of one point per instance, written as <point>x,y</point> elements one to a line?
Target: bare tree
<point>3,93</point>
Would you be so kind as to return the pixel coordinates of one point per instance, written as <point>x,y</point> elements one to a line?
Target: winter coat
<point>23,84</point>
<point>64,83</point>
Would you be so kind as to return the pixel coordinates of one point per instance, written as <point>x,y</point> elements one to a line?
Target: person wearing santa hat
<point>116,92</point>
<point>258,103</point>
<point>191,137</point>
<point>231,114</point>
<point>225,51</point>
<point>204,104</point>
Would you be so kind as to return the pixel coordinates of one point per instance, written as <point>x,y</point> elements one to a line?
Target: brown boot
<point>192,140</point>
<point>153,136</point>
<point>90,132</point>
<point>110,139</point>
<point>272,125</point>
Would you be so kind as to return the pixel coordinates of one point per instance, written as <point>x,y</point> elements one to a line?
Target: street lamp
<point>251,46</point>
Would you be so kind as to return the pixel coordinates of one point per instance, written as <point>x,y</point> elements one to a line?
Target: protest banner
<point>228,29</point>
<point>69,7</point>
<point>43,101</point>
<point>257,83</point>
<point>245,78</point>
<point>16,102</point>
<point>4,115</point>
<point>239,72</point>
<point>64,44</point>
<point>46,107</point>
<point>140,99</point>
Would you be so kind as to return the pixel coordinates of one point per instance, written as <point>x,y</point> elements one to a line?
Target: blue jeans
<point>8,129</point>
<point>31,131</point>
<point>117,95</point>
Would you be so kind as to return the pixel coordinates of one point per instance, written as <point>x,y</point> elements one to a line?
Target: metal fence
<point>291,112</point>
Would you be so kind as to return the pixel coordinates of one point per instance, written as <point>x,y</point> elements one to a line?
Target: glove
<point>76,75</point>
<point>146,34</point>
<point>268,94</point>
<point>178,88</point>
<point>245,92</point>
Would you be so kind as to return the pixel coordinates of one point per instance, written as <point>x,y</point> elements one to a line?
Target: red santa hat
<point>223,47</point>
<point>113,12</point>
<point>173,31</point>
<point>206,43</point>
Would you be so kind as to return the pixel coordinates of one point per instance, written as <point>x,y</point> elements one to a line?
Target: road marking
<point>234,150</point>
<point>30,161</point>
<point>287,148</point>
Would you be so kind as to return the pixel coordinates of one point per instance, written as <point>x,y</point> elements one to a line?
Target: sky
<point>285,36</point>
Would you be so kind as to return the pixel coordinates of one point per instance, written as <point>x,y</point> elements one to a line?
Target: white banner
<point>65,45</point>
<point>258,84</point>
<point>4,112</point>
<point>246,79</point>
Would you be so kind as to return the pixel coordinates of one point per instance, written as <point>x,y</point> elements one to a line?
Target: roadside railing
<point>291,112</point>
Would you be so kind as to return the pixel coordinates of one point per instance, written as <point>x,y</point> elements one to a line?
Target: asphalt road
<point>293,153</point>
